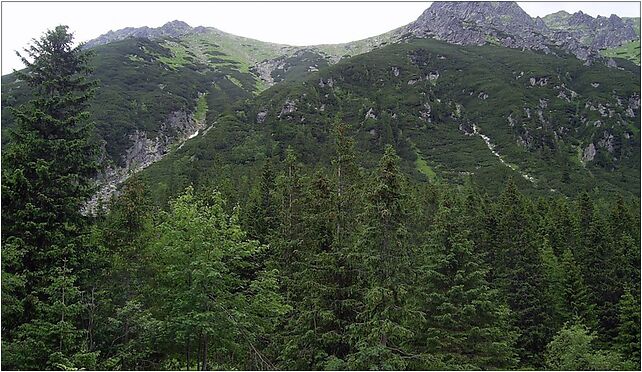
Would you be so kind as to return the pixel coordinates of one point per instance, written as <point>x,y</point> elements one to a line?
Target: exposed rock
<point>543,103</point>
<point>370,114</point>
<point>289,107</point>
<point>395,71</point>
<point>511,121</point>
<point>563,96</point>
<point>144,151</point>
<point>634,104</point>
<point>607,142</point>
<point>434,75</point>
<point>260,117</point>
<point>611,63</point>
<point>482,96</point>
<point>598,33</point>
<point>328,82</point>
<point>538,81</point>
<point>595,85</point>
<point>589,153</point>
<point>413,81</point>
<point>467,128</point>
<point>172,29</point>
<point>425,114</point>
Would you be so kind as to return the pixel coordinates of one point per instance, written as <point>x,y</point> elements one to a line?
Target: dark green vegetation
<point>140,88</point>
<point>46,178</point>
<point>142,82</point>
<point>356,219</point>
<point>426,97</point>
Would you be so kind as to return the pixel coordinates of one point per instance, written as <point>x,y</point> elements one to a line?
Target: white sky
<point>288,23</point>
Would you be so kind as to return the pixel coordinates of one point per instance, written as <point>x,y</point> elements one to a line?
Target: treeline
<point>342,268</point>
<point>339,267</point>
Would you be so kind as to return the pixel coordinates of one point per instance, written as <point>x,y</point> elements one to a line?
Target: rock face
<point>506,24</point>
<point>478,23</point>
<point>597,33</point>
<point>143,152</point>
<point>589,153</point>
<point>169,29</point>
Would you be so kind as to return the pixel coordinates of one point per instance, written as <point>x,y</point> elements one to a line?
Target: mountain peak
<point>176,24</point>
<point>173,28</point>
<point>478,22</point>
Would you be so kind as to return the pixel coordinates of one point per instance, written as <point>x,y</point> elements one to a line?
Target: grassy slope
<point>237,146</point>
<point>629,51</point>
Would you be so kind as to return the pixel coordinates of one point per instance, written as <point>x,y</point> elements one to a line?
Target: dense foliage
<point>297,249</point>
<point>437,104</point>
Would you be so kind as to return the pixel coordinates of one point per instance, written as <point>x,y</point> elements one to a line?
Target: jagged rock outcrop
<point>506,24</point>
<point>589,153</point>
<point>169,29</point>
<point>597,33</point>
<point>478,23</point>
<point>143,152</point>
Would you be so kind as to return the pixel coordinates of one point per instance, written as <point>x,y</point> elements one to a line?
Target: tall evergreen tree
<point>628,338</point>
<point>46,178</point>
<point>577,300</point>
<point>466,325</point>
<point>521,275</point>
<point>381,333</point>
<point>260,217</point>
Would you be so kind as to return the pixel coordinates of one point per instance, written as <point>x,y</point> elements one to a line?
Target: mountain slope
<point>162,86</point>
<point>476,112</point>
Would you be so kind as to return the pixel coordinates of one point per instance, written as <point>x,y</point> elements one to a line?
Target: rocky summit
<point>506,24</point>
<point>598,33</point>
<point>170,29</point>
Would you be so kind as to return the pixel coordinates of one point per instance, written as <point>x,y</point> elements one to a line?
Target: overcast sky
<point>288,23</point>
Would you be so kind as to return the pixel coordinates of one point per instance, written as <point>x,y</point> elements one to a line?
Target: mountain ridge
<point>500,22</point>
<point>155,80</point>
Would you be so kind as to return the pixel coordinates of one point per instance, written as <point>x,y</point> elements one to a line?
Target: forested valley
<point>333,267</point>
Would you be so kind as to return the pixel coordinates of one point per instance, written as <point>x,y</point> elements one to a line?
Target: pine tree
<point>119,323</point>
<point>600,264</point>
<point>553,284</point>
<point>466,326</point>
<point>260,218</point>
<point>521,275</point>
<point>314,336</point>
<point>47,176</point>
<point>577,301</point>
<point>381,334</point>
<point>628,338</point>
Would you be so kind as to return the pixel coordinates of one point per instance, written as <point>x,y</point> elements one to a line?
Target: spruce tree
<point>628,338</point>
<point>521,274</point>
<point>47,176</point>
<point>466,326</point>
<point>260,218</point>
<point>381,333</point>
<point>577,300</point>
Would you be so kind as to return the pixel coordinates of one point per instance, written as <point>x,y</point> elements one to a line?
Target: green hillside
<point>539,113</point>
<point>629,51</point>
